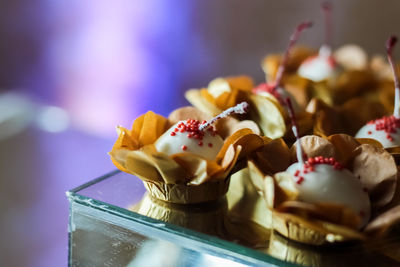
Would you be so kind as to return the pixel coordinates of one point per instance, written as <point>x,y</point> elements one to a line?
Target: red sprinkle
<point>173,133</point>
<point>210,145</point>
<point>311,162</point>
<point>388,124</point>
<point>300,180</point>
<point>200,143</point>
<point>184,148</point>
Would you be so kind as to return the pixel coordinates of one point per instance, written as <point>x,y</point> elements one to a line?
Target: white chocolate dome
<point>184,136</point>
<point>384,130</point>
<point>320,67</point>
<point>332,185</point>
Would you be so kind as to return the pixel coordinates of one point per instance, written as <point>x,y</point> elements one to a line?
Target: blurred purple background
<point>70,71</point>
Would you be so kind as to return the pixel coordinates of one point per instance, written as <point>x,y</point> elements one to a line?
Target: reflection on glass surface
<point>194,217</point>
<point>113,222</point>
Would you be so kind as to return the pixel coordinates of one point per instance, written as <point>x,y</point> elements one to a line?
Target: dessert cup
<point>184,178</point>
<point>322,223</point>
<point>354,77</point>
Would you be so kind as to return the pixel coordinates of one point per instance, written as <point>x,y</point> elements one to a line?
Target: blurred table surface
<point>37,168</point>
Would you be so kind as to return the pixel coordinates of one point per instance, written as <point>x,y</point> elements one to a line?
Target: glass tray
<point>113,222</point>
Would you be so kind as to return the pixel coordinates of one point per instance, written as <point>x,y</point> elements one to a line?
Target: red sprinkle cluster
<point>311,162</point>
<point>191,127</point>
<point>388,124</point>
<point>269,88</point>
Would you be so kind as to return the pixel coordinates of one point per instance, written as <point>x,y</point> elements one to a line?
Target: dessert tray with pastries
<point>300,169</point>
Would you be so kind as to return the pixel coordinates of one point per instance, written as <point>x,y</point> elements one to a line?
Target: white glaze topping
<point>182,137</point>
<point>370,131</point>
<point>327,184</point>
<point>320,67</point>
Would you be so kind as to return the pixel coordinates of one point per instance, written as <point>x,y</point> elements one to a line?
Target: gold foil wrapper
<point>188,194</point>
<point>248,221</point>
<point>221,93</point>
<point>269,116</point>
<point>347,118</point>
<point>270,63</point>
<point>312,232</point>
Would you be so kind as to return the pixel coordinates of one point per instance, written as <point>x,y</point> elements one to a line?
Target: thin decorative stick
<point>327,9</point>
<point>292,41</point>
<point>390,43</point>
<point>295,129</point>
<point>238,109</point>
